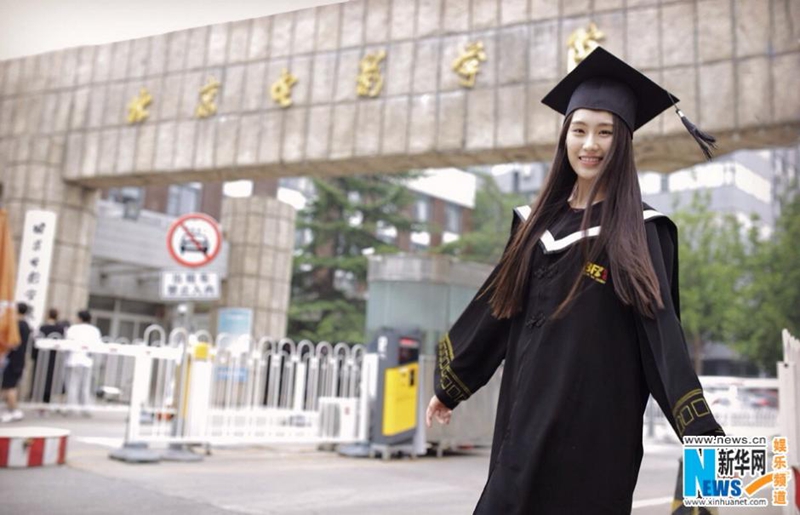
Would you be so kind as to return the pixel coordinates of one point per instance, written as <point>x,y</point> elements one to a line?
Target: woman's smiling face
<point>589,140</point>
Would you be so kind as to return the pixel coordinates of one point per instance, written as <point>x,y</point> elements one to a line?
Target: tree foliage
<point>772,300</point>
<point>712,252</point>
<point>330,272</point>
<point>491,222</point>
<point>736,287</point>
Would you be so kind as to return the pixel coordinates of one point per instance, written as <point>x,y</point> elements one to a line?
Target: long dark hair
<point>623,235</point>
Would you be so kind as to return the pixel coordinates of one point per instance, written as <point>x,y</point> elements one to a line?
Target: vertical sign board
<point>234,322</point>
<point>36,255</point>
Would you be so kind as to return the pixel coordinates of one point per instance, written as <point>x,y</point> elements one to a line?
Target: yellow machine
<point>395,416</point>
<point>400,399</point>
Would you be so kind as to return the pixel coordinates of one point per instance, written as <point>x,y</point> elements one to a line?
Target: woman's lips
<point>590,160</point>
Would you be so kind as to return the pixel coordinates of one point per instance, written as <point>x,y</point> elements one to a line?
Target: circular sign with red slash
<point>194,240</point>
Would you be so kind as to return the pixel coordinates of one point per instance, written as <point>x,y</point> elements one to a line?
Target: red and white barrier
<point>22,447</point>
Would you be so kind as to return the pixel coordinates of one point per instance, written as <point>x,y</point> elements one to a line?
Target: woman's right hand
<point>438,410</point>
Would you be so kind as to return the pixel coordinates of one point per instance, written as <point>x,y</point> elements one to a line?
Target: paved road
<point>290,480</point>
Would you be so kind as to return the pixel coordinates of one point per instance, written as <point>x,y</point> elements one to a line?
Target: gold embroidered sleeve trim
<point>448,380</point>
<point>689,408</point>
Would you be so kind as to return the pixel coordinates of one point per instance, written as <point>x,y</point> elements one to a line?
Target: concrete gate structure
<point>64,128</point>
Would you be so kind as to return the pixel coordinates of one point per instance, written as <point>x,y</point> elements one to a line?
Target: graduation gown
<point>568,432</point>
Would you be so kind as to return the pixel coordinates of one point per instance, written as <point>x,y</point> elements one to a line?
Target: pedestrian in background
<point>584,309</point>
<point>52,328</point>
<point>14,368</point>
<point>79,363</point>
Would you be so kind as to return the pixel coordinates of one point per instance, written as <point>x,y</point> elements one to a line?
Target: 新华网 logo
<point>735,471</point>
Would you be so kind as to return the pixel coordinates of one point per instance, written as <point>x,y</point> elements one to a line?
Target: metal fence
<point>110,378</point>
<point>738,419</point>
<point>193,388</point>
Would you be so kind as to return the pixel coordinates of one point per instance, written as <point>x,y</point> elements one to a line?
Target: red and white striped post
<point>22,447</point>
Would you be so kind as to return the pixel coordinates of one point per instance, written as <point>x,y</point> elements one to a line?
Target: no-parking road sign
<point>194,240</point>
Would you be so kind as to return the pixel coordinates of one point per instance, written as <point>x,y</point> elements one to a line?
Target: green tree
<point>491,222</point>
<point>773,292</point>
<point>713,280</point>
<point>330,272</point>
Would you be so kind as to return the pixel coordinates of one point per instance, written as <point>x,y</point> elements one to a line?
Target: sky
<point>30,27</point>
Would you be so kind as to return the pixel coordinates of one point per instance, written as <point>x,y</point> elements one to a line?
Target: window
<point>126,194</point>
<point>452,218</point>
<point>386,233</point>
<point>752,183</point>
<point>139,308</point>
<point>131,198</point>
<point>183,198</point>
<point>702,176</point>
<point>102,303</point>
<point>422,209</point>
<point>420,240</point>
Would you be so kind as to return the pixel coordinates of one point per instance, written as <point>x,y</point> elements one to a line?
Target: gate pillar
<point>260,232</point>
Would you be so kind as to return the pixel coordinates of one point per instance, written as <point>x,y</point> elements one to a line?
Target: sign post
<point>36,255</point>
<point>193,240</point>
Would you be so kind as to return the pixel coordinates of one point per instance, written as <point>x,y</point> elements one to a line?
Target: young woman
<point>584,310</point>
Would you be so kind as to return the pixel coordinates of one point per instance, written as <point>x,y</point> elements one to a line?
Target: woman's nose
<point>590,143</point>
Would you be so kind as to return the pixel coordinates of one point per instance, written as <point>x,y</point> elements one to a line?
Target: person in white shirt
<point>79,363</point>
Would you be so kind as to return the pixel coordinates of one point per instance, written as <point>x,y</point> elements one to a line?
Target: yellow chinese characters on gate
<point>137,108</point>
<point>370,80</point>
<point>581,43</point>
<point>468,64</point>
<point>281,89</point>
<point>208,95</point>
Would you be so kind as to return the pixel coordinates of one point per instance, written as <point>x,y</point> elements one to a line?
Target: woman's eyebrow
<point>601,124</point>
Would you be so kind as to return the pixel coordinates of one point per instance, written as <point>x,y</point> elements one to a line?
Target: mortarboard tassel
<point>705,140</point>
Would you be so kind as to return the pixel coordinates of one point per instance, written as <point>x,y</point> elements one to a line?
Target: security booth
<point>431,292</point>
<point>395,405</point>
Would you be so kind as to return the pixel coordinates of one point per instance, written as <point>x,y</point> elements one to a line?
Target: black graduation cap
<point>605,82</point>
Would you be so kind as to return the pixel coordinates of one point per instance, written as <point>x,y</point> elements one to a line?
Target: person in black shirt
<point>53,328</point>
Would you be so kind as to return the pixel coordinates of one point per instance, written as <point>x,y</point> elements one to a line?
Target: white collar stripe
<point>550,244</point>
<point>553,245</point>
<point>523,211</point>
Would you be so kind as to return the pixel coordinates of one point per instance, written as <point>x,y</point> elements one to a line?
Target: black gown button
<point>536,320</point>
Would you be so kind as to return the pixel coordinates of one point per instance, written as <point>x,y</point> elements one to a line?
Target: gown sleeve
<point>667,365</point>
<point>471,351</point>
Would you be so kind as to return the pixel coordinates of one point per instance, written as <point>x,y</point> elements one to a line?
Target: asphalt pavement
<point>285,479</point>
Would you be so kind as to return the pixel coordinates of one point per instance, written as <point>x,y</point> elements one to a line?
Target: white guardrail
<point>191,388</point>
<point>789,391</point>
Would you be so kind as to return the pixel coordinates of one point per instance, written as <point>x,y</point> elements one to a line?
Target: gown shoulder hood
<point>552,241</point>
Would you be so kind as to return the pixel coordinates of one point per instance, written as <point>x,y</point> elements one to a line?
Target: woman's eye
<point>577,131</point>
<point>606,133</point>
